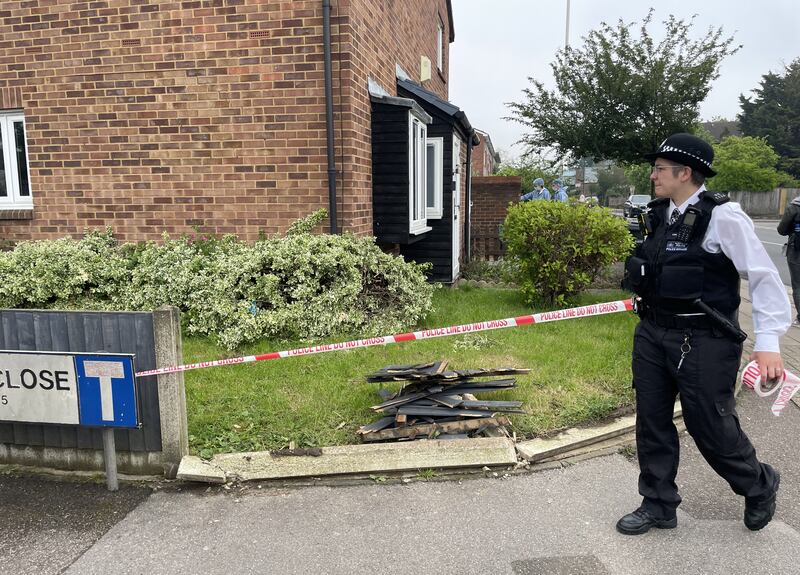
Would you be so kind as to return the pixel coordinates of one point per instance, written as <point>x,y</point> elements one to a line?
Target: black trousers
<point>706,383</point>
<point>793,260</point>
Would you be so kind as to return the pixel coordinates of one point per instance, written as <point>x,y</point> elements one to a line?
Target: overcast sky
<point>499,43</point>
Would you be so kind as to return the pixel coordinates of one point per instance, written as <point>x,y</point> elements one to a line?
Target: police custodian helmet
<point>687,150</point>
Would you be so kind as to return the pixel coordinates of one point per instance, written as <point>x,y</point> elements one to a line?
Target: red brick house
<point>169,116</point>
<point>485,160</point>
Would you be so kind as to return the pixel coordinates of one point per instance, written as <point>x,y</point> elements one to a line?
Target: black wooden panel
<point>390,173</point>
<point>86,332</point>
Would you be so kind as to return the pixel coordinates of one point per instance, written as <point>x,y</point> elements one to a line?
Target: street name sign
<point>97,390</point>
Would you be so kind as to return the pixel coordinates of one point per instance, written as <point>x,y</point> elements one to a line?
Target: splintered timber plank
<point>492,404</point>
<point>399,372</point>
<point>426,429</point>
<point>448,397</point>
<point>402,399</point>
<point>447,400</point>
<point>473,373</point>
<point>438,373</point>
<point>382,423</point>
<point>472,390</point>
<point>466,385</point>
<point>447,411</point>
<point>459,386</point>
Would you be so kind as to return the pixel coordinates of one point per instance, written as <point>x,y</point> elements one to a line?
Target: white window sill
<point>418,231</point>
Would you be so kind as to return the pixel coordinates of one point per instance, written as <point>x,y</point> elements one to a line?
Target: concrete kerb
<point>394,458</point>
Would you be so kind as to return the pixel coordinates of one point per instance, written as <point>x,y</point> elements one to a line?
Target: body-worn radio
<point>686,227</point>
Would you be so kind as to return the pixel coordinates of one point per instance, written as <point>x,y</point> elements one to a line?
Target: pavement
<point>558,521</point>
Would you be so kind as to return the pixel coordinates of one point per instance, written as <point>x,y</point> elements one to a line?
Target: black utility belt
<point>675,321</point>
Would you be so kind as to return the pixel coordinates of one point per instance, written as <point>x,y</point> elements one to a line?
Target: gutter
<point>326,42</point>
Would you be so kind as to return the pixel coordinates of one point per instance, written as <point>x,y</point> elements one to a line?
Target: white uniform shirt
<point>731,232</point>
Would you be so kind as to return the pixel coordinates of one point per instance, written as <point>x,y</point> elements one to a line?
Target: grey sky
<point>499,43</point>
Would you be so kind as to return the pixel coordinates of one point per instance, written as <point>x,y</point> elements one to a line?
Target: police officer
<point>696,246</point>
<point>790,226</point>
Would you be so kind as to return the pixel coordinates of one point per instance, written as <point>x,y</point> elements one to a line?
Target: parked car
<point>635,204</point>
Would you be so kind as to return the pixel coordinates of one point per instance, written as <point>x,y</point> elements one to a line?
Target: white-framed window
<point>15,189</point>
<point>434,177</point>
<point>440,44</point>
<point>417,131</point>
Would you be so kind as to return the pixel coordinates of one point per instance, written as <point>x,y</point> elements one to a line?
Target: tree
<point>621,94</point>
<point>611,181</point>
<point>774,114</point>
<point>639,176</point>
<point>744,163</point>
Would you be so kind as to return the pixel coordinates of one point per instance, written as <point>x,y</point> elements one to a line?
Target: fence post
<point>171,390</point>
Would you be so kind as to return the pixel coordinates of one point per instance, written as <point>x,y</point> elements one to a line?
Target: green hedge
<point>299,286</point>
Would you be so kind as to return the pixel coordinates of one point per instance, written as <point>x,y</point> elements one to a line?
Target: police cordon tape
<point>544,317</point>
<point>789,385</point>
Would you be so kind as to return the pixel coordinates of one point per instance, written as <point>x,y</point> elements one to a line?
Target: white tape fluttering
<point>786,388</point>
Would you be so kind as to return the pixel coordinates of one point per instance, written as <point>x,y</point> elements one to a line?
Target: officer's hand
<point>770,364</point>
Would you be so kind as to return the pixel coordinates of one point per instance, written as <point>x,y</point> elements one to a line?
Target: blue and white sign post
<point>93,390</point>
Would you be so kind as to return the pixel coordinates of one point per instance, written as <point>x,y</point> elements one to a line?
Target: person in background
<point>559,191</point>
<point>539,192</point>
<point>790,226</point>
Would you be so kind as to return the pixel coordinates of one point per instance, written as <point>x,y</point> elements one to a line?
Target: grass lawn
<point>580,372</point>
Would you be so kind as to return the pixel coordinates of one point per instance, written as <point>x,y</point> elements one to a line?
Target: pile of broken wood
<point>440,404</point>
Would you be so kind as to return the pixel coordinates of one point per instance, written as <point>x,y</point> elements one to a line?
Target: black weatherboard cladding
<point>86,332</point>
<point>390,172</point>
<point>448,122</point>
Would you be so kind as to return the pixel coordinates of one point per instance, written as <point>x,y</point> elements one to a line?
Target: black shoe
<point>758,513</point>
<point>641,521</point>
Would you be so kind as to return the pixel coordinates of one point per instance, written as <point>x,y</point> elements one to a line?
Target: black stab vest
<point>681,272</point>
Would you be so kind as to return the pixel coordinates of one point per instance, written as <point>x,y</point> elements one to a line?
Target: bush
<point>557,250</point>
<point>744,163</point>
<point>296,287</point>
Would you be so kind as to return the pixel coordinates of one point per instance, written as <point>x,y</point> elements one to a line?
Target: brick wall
<point>165,116</point>
<point>376,36</point>
<point>482,162</point>
<point>491,196</point>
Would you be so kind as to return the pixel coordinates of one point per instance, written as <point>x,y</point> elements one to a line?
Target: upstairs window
<point>15,191</point>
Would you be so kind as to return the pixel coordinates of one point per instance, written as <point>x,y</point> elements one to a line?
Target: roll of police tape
<point>544,317</point>
<point>785,386</point>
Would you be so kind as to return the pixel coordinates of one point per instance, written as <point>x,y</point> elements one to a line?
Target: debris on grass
<point>435,403</point>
